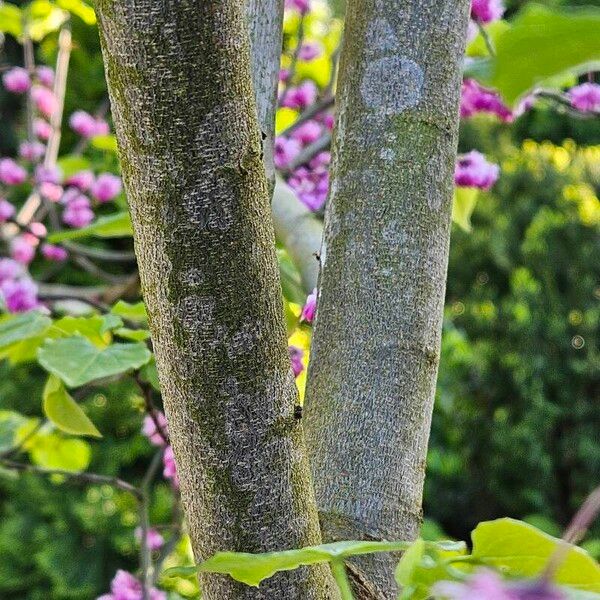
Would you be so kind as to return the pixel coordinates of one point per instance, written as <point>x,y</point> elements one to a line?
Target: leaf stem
<point>338,568</point>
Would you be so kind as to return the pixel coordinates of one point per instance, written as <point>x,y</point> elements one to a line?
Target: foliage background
<point>516,419</point>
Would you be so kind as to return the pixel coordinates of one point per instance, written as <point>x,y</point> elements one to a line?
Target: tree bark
<point>180,85</point>
<point>376,340</point>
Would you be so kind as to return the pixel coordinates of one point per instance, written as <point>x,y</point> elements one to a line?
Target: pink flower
<point>286,150</point>
<point>44,99</point>
<point>16,80</point>
<point>38,229</point>
<point>7,210</point>
<point>309,51</point>
<point>53,252</point>
<point>154,540</point>
<point>22,250</point>
<point>170,469</point>
<point>106,187</point>
<point>82,180</point>
<point>11,173</point>
<point>329,121</point>
<point>78,212</point>
<point>307,133</point>
<point>310,307</point>
<point>32,151</point>
<point>10,269</point>
<point>48,174</point>
<point>45,75</point>
<point>488,585</point>
<point>486,11</point>
<point>284,74</point>
<point>86,125</point>
<point>150,431</point>
<point>585,97</point>
<point>20,295</point>
<point>476,99</point>
<point>301,96</point>
<point>51,191</point>
<point>472,170</point>
<point>42,129</point>
<point>296,355</point>
<point>302,6</point>
<point>125,586</point>
<point>311,183</point>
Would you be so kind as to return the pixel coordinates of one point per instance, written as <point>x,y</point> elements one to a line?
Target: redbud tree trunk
<point>179,78</point>
<point>377,335</point>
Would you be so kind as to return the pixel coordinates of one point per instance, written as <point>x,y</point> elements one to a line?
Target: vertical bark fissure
<point>180,85</point>
<point>384,257</point>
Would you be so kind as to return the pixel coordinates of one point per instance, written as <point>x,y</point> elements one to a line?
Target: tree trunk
<point>185,115</point>
<point>377,335</point>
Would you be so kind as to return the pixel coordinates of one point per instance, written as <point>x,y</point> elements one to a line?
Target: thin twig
<point>29,62</point>
<point>486,38</point>
<point>309,152</point>
<point>312,111</point>
<point>149,405</point>
<point>294,60</point>
<point>100,253</point>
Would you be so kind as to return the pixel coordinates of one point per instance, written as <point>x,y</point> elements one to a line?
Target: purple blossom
<point>329,121</point>
<point>585,97</point>
<point>42,129</point>
<point>82,180</point>
<point>125,586</point>
<point>106,187</point>
<point>53,252</point>
<point>309,51</point>
<point>311,183</point>
<point>20,295</point>
<point>7,210</point>
<point>16,80</point>
<point>150,431</point>
<point>38,230</point>
<point>78,212</point>
<point>308,132</point>
<point>32,151</point>
<point>286,149</point>
<point>486,11</point>
<point>310,307</point>
<point>284,74</point>
<point>11,173</point>
<point>44,99</point>
<point>169,467</point>
<point>302,6</point>
<point>300,97</point>
<point>45,75</point>
<point>488,585</point>
<point>86,125</point>
<point>48,174</point>
<point>51,191</point>
<point>154,541</point>
<point>296,355</point>
<point>22,249</point>
<point>10,269</point>
<point>477,99</point>
<point>473,170</point>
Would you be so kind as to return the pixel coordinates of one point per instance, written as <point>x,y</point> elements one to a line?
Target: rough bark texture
<point>179,79</point>
<point>265,24</point>
<point>376,342</point>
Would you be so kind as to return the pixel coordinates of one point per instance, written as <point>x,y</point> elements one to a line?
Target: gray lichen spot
<point>387,154</point>
<point>392,84</point>
<point>381,37</point>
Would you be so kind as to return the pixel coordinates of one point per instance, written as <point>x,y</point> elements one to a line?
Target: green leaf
<point>53,451</point>
<point>71,164</point>
<point>543,43</point>
<point>136,335</point>
<point>131,312</point>
<point>11,20</point>
<point>478,47</point>
<point>77,361</point>
<point>64,412</point>
<point>93,328</point>
<point>117,225</point>
<point>105,142</point>
<point>465,199</point>
<point>10,421</point>
<point>150,374</point>
<point>22,327</point>
<point>42,18</point>
<point>409,562</point>
<point>251,569</point>
<point>291,282</point>
<point>80,8</point>
<point>521,550</point>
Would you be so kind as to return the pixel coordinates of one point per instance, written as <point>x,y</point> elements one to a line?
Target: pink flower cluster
<point>473,170</point>
<point>86,125</point>
<point>302,6</point>
<point>585,97</point>
<point>169,467</point>
<point>296,355</point>
<point>310,307</point>
<point>125,586</point>
<point>486,11</point>
<point>17,290</point>
<point>154,541</point>
<point>151,432</point>
<point>299,97</point>
<point>477,99</point>
<point>488,585</point>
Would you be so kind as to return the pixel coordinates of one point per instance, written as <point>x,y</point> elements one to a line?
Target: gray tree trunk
<point>376,341</point>
<point>179,79</point>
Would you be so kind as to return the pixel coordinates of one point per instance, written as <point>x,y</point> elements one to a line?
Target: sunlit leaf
<point>465,199</point>
<point>42,18</point>
<point>71,164</point>
<point>77,361</point>
<point>105,142</point>
<point>117,225</point>
<point>131,312</point>
<point>11,19</point>
<point>80,8</point>
<point>64,412</point>
<point>53,451</point>
<point>16,328</point>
